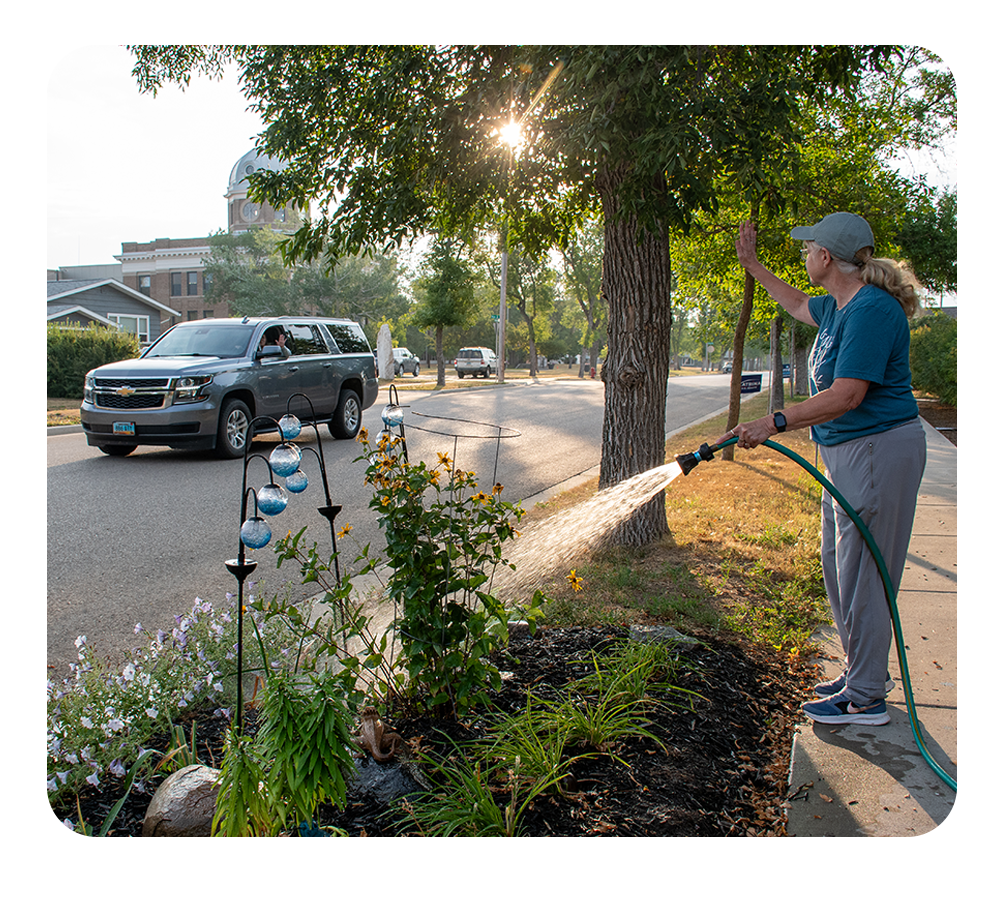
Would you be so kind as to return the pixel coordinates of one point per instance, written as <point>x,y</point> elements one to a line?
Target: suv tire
<point>346,421</point>
<point>234,425</point>
<point>416,370</point>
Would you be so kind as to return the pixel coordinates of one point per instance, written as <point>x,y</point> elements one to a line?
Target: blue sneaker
<point>839,710</point>
<point>829,688</point>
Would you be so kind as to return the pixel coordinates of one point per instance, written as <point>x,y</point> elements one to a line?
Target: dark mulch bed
<point>724,772</point>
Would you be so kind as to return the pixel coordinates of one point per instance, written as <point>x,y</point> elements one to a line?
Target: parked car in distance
<point>475,361</point>
<point>727,368</point>
<point>405,361</point>
<point>203,382</point>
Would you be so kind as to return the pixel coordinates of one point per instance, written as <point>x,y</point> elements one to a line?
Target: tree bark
<point>439,350</point>
<point>777,393</point>
<point>636,285</point>
<point>739,339</point>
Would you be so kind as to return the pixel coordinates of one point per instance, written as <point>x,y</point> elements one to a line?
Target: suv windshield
<point>225,341</point>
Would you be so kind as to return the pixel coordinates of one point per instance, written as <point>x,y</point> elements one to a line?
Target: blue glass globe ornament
<point>285,459</point>
<point>271,499</point>
<point>392,416</point>
<point>255,532</point>
<point>290,426</point>
<point>297,482</point>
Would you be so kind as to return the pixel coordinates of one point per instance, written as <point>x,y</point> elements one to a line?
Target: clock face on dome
<point>250,211</point>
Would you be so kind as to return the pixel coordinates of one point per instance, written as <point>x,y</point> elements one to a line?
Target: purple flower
<point>93,779</point>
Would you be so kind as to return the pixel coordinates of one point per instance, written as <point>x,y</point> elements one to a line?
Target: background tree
<point>247,272</point>
<point>446,295</point>
<point>392,142</point>
<point>531,292</point>
<point>582,257</point>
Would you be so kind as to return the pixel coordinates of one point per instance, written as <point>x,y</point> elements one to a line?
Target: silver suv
<point>475,361</point>
<point>202,383</point>
<point>404,361</point>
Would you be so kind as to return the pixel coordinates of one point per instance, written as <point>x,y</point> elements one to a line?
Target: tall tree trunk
<point>637,290</point>
<point>735,383</point>
<point>777,392</point>
<point>439,350</point>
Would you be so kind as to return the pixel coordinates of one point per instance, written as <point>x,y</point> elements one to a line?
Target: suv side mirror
<point>271,351</point>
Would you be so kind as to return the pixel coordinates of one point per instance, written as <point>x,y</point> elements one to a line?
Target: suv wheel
<point>346,421</point>
<point>234,424</point>
<point>416,370</point>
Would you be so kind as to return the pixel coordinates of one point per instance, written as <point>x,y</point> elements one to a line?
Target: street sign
<point>750,384</point>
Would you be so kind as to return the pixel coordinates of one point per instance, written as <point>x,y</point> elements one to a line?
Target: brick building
<point>171,271</point>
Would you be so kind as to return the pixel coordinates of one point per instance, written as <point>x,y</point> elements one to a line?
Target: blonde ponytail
<point>894,278</point>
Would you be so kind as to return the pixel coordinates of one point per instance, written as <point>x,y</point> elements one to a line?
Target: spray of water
<point>551,547</point>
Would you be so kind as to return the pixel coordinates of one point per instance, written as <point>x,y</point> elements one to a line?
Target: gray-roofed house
<point>107,302</point>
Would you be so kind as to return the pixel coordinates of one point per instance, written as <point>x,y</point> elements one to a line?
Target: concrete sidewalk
<point>863,780</point>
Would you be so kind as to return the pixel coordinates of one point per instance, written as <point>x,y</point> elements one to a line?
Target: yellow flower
<point>575,580</point>
<point>497,488</point>
<point>346,530</point>
<point>362,437</point>
<point>444,460</point>
<point>481,497</point>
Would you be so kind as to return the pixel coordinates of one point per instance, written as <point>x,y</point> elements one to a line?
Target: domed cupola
<point>243,212</point>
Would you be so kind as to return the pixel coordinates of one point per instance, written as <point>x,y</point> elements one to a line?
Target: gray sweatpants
<point>879,475</point>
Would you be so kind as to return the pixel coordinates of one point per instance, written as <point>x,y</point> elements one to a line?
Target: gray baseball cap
<point>842,233</point>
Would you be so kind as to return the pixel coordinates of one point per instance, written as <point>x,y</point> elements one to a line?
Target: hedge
<point>73,352</point>
<point>934,356</point>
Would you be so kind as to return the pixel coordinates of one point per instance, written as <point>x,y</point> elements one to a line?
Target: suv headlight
<point>190,388</point>
<point>88,388</point>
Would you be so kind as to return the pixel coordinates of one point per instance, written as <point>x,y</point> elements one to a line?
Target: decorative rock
<point>183,806</point>
<point>646,633</point>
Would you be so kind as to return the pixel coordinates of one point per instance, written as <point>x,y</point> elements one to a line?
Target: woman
<point>863,416</point>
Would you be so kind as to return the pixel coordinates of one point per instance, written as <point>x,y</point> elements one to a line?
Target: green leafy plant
<point>444,541</point>
<point>299,759</point>
<point>242,808</point>
<point>473,798</point>
<point>344,638</point>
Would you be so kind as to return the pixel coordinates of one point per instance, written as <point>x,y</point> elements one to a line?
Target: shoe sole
<point>851,718</point>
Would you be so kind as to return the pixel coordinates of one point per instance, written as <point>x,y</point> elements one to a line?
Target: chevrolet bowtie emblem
<point>125,391</point>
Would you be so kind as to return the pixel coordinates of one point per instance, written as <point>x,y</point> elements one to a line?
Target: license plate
<point>123,428</point>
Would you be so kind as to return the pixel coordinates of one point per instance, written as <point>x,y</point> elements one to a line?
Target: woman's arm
<point>791,299</point>
<point>842,396</point>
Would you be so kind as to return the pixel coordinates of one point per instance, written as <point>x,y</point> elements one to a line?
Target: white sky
<point>125,166</point>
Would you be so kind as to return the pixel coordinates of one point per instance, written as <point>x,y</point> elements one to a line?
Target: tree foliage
<point>446,295</point>
<point>248,271</point>
<point>934,356</point>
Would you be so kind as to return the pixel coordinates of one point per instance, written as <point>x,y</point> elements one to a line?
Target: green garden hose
<point>689,460</point>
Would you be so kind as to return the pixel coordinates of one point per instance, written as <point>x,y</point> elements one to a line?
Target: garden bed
<point>722,768</point>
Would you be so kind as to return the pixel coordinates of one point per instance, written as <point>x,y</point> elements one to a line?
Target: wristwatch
<point>780,422</point>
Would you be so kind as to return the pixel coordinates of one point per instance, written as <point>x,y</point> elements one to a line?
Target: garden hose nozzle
<point>687,461</point>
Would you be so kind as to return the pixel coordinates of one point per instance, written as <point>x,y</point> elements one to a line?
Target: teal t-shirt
<point>868,339</point>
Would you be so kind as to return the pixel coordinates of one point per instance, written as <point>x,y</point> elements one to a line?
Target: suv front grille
<point>136,401</point>
<point>135,393</point>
